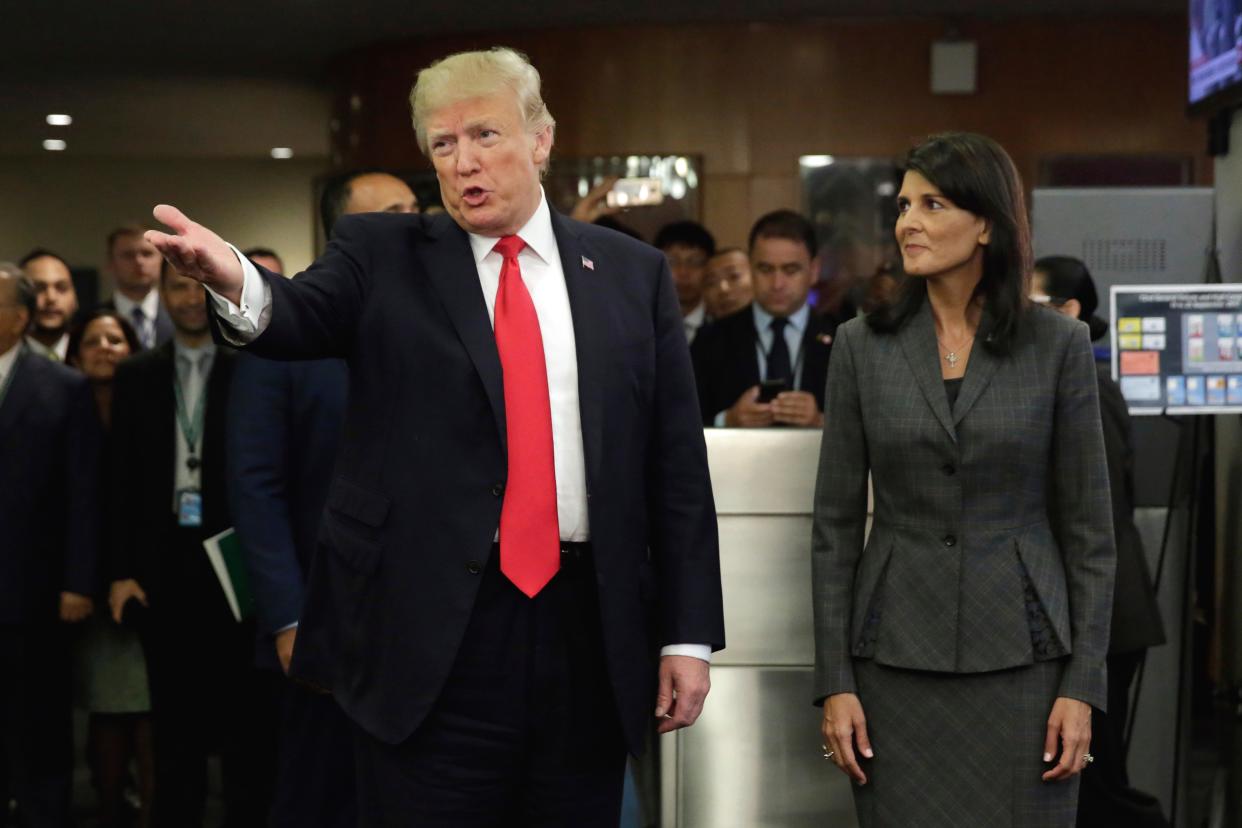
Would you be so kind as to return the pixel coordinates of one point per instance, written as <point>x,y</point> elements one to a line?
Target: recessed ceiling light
<point>59,120</point>
<point>282,152</point>
<point>54,145</point>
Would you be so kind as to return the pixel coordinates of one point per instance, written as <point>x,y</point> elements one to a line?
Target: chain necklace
<point>951,356</point>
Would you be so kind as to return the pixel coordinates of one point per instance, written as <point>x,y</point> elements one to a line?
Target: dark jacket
<point>416,498</point>
<point>284,428</point>
<point>726,362</point>
<point>143,443</point>
<point>49,480</point>
<point>1136,614</point>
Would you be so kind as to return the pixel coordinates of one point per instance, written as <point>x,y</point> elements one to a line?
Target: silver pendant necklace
<point>951,356</point>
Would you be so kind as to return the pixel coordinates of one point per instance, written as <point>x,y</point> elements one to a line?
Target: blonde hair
<point>467,75</point>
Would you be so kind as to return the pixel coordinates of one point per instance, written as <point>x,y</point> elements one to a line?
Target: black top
<point>952,387</point>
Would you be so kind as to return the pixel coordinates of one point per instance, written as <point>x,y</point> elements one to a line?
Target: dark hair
<point>266,252</point>
<point>41,253</point>
<point>621,227</point>
<point>134,229</point>
<point>784,224</point>
<point>1067,278</point>
<point>977,175</point>
<point>689,233</point>
<point>79,331</point>
<point>336,193</point>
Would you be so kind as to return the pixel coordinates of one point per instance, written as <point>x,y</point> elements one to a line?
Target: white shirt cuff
<point>244,324</point>
<point>286,628</point>
<point>703,652</point>
<point>719,420</point>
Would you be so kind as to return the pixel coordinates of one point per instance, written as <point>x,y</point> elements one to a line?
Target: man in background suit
<point>688,245</point>
<point>49,522</point>
<point>777,341</point>
<point>514,377</point>
<point>283,435</point>
<point>56,303</point>
<point>168,495</point>
<point>363,191</point>
<point>134,265</point>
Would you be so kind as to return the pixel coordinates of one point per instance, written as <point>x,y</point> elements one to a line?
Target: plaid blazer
<point>975,507</point>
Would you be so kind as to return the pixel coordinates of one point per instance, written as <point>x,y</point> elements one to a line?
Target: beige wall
<point>70,204</point>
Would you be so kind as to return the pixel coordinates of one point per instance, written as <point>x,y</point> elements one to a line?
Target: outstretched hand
<point>197,252</point>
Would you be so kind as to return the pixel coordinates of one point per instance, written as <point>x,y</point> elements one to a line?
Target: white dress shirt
<point>7,360</point>
<point>694,320</point>
<point>58,351</point>
<point>150,305</point>
<point>544,277</point>
<point>193,385</point>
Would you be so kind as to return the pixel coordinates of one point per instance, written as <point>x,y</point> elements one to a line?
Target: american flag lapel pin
<point>587,263</point>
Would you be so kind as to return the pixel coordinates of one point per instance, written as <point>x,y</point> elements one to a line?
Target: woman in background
<point>959,654</point>
<point>112,671</point>
<point>1065,285</point>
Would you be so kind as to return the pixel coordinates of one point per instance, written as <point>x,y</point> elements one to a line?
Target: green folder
<point>227,559</point>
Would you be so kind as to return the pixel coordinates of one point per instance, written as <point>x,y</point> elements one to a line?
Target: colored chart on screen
<point>1178,349</point>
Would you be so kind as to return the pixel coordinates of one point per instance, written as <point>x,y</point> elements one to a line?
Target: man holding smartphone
<point>767,365</point>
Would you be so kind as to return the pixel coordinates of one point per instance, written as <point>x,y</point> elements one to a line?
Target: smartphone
<point>768,389</point>
<point>635,192</point>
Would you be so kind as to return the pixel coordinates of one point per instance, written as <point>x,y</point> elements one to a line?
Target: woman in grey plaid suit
<point>959,653</point>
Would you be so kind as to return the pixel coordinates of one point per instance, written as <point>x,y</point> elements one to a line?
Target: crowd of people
<point>134,477</point>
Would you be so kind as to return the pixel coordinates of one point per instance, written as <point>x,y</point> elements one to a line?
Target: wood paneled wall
<point>752,98</point>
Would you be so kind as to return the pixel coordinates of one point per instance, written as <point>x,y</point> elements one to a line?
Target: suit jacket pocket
<point>360,553</point>
<point>364,506</point>
<point>1045,572</point>
<point>868,599</point>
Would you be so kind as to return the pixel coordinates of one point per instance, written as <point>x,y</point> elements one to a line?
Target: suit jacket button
<point>473,567</point>
<point>949,469</point>
<point>950,540</point>
<point>498,489</point>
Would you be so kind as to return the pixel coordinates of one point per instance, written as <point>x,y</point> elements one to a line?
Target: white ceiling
<point>178,78</point>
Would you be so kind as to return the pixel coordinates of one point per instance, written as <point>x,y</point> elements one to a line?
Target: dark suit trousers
<point>315,769</point>
<point>524,734</point>
<point>207,696</point>
<point>36,728</point>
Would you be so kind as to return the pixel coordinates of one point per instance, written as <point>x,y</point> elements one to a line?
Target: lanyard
<point>190,429</point>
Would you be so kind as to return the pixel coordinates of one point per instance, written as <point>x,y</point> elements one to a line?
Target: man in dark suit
<point>134,265</point>
<point>514,377</point>
<point>767,365</point>
<point>169,495</point>
<point>283,438</point>
<point>49,470</point>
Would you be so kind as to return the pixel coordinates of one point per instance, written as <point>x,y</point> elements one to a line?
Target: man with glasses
<point>688,245</point>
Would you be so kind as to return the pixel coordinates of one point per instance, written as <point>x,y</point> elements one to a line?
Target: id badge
<point>189,507</point>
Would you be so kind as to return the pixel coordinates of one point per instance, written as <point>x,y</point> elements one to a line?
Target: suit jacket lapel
<point>979,373</point>
<point>588,306</point>
<point>449,262</point>
<point>816,348</point>
<point>918,342</point>
<point>19,388</point>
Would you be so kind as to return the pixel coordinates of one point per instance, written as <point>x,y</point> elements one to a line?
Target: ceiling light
<point>59,120</point>
<point>282,152</point>
<point>54,145</point>
<point>814,161</point>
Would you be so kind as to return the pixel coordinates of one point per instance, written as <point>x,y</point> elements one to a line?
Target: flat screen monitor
<point>1176,348</point>
<point>1215,68</point>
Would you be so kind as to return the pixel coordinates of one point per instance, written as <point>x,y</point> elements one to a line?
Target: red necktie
<point>530,545</point>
